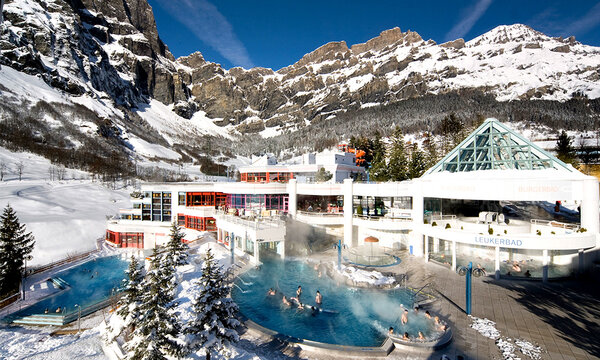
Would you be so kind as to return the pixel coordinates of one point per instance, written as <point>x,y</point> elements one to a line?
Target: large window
<point>198,223</point>
<point>258,202</point>
<point>181,198</point>
<point>205,199</point>
<point>267,177</point>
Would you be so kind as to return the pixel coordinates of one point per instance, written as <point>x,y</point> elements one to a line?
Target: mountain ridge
<point>108,55</point>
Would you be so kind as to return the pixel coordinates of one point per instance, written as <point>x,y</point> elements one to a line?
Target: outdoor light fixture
<point>468,271</point>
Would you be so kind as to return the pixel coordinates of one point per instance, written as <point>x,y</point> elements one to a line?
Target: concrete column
<point>589,206</point>
<point>244,243</point>
<point>417,216</point>
<point>581,265</point>
<point>348,187</point>
<point>497,263</point>
<point>292,187</point>
<point>544,265</point>
<point>453,255</point>
<point>256,253</point>
<point>426,249</point>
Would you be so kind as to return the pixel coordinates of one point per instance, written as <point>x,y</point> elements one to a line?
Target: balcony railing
<point>556,224</point>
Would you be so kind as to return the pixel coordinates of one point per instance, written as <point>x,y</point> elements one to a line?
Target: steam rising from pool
<point>359,317</point>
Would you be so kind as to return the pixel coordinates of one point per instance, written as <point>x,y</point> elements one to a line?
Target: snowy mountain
<point>99,72</point>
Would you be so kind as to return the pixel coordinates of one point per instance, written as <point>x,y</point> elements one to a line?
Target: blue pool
<point>359,317</point>
<point>84,285</point>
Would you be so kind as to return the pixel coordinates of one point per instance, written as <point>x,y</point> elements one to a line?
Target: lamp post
<point>339,249</point>
<point>467,271</point>
<point>78,317</point>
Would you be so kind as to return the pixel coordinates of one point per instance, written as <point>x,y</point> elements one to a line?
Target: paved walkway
<point>563,318</point>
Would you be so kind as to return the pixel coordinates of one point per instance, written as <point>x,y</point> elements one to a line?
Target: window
<point>181,197</point>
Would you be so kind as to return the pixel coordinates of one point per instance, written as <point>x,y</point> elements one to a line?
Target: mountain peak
<point>385,38</point>
<point>509,33</point>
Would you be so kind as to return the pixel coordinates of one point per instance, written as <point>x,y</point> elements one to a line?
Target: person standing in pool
<point>299,292</point>
<point>285,301</point>
<point>404,318</point>
<point>319,298</point>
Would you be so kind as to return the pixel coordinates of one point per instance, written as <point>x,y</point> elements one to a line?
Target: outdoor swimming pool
<point>84,285</point>
<point>359,317</point>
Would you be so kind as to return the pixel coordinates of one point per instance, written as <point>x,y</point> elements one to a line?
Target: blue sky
<point>275,34</point>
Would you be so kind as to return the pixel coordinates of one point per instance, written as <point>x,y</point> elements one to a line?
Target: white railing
<point>256,223</point>
<point>321,214</point>
<point>382,218</point>
<point>442,217</point>
<point>553,223</point>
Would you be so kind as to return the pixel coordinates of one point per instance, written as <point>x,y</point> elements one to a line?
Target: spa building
<point>496,200</point>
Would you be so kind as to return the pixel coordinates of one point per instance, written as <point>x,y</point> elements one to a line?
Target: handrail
<point>442,217</point>
<point>382,218</point>
<point>555,224</point>
<point>323,214</point>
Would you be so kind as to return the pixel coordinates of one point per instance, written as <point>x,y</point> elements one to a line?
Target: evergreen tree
<point>323,175</point>
<point>378,170</point>
<point>564,149</point>
<point>16,246</point>
<point>398,164</point>
<point>430,147</point>
<point>130,297</point>
<point>177,250</point>
<point>451,129</point>
<point>215,322</point>
<point>418,163</point>
<point>157,326</point>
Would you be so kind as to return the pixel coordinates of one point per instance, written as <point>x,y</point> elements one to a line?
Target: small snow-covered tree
<point>16,246</point>
<point>417,164</point>
<point>214,326</point>
<point>398,163</point>
<point>177,250</point>
<point>156,327</point>
<point>130,297</point>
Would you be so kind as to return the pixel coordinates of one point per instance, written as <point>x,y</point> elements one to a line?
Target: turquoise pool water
<point>359,317</point>
<point>88,283</point>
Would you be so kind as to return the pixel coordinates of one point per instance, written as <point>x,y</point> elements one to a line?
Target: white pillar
<point>256,253</point>
<point>581,266</point>
<point>497,263</point>
<point>348,211</point>
<point>426,250</point>
<point>453,255</point>
<point>544,265</point>
<point>589,206</point>
<point>417,216</point>
<point>292,187</point>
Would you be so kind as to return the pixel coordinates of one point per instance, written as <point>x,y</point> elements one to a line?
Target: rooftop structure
<point>494,146</point>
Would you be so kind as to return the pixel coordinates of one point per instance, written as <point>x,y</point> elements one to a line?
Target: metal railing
<point>553,223</point>
<point>257,223</point>
<point>321,214</point>
<point>382,218</point>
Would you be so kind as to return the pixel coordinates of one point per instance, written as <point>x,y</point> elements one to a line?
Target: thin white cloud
<point>585,23</point>
<point>205,21</point>
<point>466,23</point>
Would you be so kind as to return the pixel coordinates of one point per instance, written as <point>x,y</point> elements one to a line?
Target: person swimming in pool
<point>391,331</point>
<point>405,337</point>
<point>299,292</point>
<point>319,298</point>
<point>271,292</point>
<point>404,318</point>
<point>427,314</point>
<point>421,337</point>
<point>416,309</point>
<point>285,301</point>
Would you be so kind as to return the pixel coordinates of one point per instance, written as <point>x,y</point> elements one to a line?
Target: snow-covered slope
<point>65,216</point>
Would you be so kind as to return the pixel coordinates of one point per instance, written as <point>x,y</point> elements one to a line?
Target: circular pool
<point>347,316</point>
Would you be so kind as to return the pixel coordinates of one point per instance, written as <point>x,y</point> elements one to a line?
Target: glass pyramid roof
<point>494,146</point>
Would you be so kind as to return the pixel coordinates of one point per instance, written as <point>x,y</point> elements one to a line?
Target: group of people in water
<point>296,299</point>
<point>437,324</point>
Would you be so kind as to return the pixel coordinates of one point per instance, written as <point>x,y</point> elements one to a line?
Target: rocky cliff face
<point>111,50</point>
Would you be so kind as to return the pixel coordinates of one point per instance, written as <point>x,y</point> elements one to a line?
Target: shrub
<point>425,221</point>
<point>538,232</point>
<point>434,224</point>
<point>447,226</point>
<point>552,232</point>
<point>505,231</point>
<point>581,230</point>
<point>491,231</point>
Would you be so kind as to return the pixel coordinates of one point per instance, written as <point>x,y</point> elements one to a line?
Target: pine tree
<point>564,149</point>
<point>418,163</point>
<point>157,326</point>
<point>378,170</point>
<point>215,322</point>
<point>323,175</point>
<point>16,246</point>
<point>430,148</point>
<point>177,250</point>
<point>130,297</point>
<point>398,164</point>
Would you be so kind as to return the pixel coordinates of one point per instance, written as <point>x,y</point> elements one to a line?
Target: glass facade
<point>258,202</point>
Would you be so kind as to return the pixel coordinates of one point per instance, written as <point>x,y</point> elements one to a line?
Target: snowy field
<point>66,216</point>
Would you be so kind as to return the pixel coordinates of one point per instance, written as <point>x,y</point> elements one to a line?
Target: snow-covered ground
<point>506,345</point>
<point>65,216</point>
<point>363,276</point>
